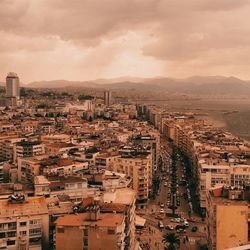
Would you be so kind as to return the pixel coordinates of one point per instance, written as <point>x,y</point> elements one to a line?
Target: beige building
<point>91,230</point>
<point>139,168</point>
<point>55,138</point>
<point>227,219</point>
<point>127,197</point>
<point>28,149</point>
<point>24,224</point>
<point>74,187</point>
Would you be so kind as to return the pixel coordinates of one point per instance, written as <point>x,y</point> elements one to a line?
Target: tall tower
<point>107,98</point>
<point>12,85</point>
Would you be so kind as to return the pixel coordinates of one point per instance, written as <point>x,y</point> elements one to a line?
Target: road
<point>153,210</point>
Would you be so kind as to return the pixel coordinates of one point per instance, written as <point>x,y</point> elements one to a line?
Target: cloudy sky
<point>90,39</point>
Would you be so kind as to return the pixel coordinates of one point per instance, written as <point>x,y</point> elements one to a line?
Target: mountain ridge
<point>191,85</point>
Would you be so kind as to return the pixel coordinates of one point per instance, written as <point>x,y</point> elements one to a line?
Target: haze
<point>89,39</point>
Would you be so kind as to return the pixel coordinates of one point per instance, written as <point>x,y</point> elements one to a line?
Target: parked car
<point>162,211</point>
<point>169,227</point>
<point>160,224</point>
<point>162,205</point>
<point>181,230</point>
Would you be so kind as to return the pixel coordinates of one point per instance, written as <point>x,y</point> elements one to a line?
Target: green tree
<point>171,241</point>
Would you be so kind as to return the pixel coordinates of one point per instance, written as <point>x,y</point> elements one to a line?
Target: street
<point>171,175</point>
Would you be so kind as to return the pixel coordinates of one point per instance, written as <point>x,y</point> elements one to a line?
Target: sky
<point>91,39</point>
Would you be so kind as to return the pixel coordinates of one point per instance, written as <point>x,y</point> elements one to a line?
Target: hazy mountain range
<point>198,85</point>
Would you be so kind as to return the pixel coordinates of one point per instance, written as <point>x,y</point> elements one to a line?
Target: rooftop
<point>31,206</point>
<point>106,220</point>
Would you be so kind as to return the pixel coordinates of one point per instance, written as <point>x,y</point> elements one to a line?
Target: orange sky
<point>90,39</point>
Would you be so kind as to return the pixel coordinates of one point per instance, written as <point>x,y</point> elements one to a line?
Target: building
<point>107,98</point>
<point>29,149</point>
<point>90,230</point>
<point>139,168</point>
<point>12,86</point>
<point>74,187</point>
<point>227,218</point>
<point>24,223</point>
<point>127,197</point>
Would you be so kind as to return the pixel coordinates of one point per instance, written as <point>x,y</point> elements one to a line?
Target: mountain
<point>197,85</point>
<point>59,84</point>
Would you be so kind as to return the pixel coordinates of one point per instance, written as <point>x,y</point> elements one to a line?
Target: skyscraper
<point>12,85</point>
<point>107,98</point>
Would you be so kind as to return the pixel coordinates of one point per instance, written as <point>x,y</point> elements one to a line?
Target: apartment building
<point>24,223</point>
<point>126,197</point>
<point>227,218</point>
<point>7,148</point>
<point>74,187</point>
<point>28,149</point>
<point>91,230</point>
<point>211,175</point>
<point>139,168</point>
<point>153,142</point>
<point>56,138</point>
<point>103,160</point>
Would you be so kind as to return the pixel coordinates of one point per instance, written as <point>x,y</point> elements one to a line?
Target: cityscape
<point>124,125</point>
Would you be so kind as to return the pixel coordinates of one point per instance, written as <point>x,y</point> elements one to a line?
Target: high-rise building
<point>12,85</point>
<point>107,98</point>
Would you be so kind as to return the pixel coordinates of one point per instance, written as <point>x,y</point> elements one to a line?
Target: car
<point>191,219</point>
<point>162,205</point>
<point>169,227</point>
<point>181,230</point>
<point>177,220</point>
<point>185,223</point>
<point>179,227</point>
<point>162,211</point>
<point>160,224</point>
<point>194,229</point>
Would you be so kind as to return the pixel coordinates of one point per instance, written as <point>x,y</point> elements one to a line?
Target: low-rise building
<point>91,230</point>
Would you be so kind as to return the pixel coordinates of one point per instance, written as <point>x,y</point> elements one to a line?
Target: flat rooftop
<point>30,206</point>
<point>106,220</point>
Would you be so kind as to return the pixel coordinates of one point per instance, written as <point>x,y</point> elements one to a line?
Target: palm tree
<point>171,241</point>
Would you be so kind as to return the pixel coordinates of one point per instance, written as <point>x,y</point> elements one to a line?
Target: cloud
<point>86,39</point>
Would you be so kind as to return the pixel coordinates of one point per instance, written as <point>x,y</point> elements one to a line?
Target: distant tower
<point>12,85</point>
<point>107,98</point>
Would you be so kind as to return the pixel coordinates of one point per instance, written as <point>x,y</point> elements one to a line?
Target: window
<point>111,231</point>
<point>34,231</point>
<point>85,242</point>
<point>60,230</point>
<point>11,242</point>
<point>12,225</point>
<point>23,233</point>
<point>85,232</point>
<point>34,222</point>
<point>23,224</point>
<point>11,234</point>
<point>2,235</point>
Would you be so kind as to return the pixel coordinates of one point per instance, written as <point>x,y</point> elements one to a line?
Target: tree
<point>171,241</point>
